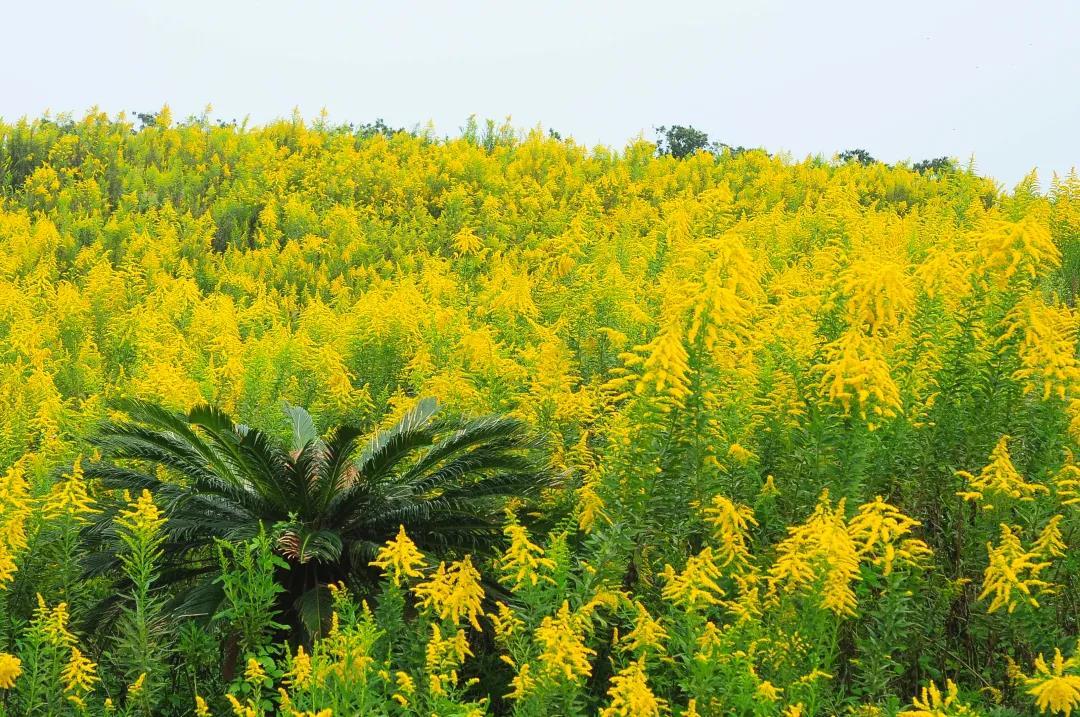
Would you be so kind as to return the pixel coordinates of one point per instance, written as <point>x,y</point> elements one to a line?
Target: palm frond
<point>302,427</point>
<point>386,448</point>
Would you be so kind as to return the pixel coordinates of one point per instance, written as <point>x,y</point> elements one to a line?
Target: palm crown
<point>329,502</point>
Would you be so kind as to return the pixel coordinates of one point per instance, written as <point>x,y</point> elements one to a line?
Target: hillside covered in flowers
<point>808,430</point>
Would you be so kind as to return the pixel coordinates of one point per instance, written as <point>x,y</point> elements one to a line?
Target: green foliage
<point>856,155</point>
<point>679,141</point>
<point>248,580</point>
<point>328,503</point>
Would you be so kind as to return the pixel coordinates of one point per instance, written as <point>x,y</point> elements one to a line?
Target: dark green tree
<point>329,503</point>
<point>856,155</point>
<point>939,166</point>
<point>679,141</point>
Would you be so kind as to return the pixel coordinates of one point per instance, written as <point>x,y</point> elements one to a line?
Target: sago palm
<point>330,503</point>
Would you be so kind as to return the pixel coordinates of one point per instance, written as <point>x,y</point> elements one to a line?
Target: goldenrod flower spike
<point>1055,687</point>
<point>455,593</point>
<point>400,558</point>
<point>10,669</point>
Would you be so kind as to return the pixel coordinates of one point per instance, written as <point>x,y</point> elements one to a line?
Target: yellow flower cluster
<point>687,336</point>
<point>10,669</point>
<point>454,593</point>
<point>400,558</point>
<point>142,518</point>
<point>731,523</point>
<point>53,623</point>
<point>821,549</point>
<point>1048,339</point>
<point>879,294</point>
<point>443,658</point>
<point>856,377</point>
<point>665,365</point>
<point>523,559</point>
<point>999,480</point>
<point>880,530</point>
<point>1056,686</point>
<point>563,655</point>
<point>630,694</point>
<point>648,635</point>
<point>828,548</point>
<point>932,703</point>
<point>1021,248</point>
<point>1012,575</point>
<point>14,510</point>
<point>696,586</point>
<point>80,674</point>
<point>69,497</point>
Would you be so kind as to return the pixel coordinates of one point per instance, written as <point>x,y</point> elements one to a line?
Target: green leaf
<point>302,425</point>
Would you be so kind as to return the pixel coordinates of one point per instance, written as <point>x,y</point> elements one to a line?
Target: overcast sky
<point>904,80</point>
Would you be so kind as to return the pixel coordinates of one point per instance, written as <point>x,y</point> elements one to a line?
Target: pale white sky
<point>914,79</point>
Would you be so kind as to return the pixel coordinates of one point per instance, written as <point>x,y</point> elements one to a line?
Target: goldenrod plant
<point>568,431</point>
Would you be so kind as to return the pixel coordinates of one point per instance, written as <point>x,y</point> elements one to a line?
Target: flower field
<point>721,435</point>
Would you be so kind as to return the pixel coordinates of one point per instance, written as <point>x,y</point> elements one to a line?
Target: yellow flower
<point>878,294</point>
<point>523,559</point>
<point>400,558</point>
<point>300,673</point>
<point>666,365</point>
<point>721,312</point>
<point>648,634</point>
<point>767,692</point>
<point>1012,570</point>
<point>931,703</point>
<point>1047,348</point>
<point>1067,482</point>
<point>201,708</point>
<point>69,496</point>
<point>466,242</point>
<point>856,377</point>
<point>1018,248</point>
<point>241,710</point>
<point>141,519</point>
<point>79,675</point>
<point>999,479</point>
<point>821,549</point>
<point>505,622</point>
<point>443,656</point>
<point>1055,687</point>
<point>454,593</point>
<point>254,673</point>
<point>590,504</point>
<point>695,587</point>
<point>769,489</point>
<point>14,510</point>
<point>53,623</point>
<point>404,682</point>
<point>731,522</point>
<point>563,654</point>
<point>1074,422</point>
<point>877,530</point>
<point>1050,543</point>
<point>10,669</point>
<point>630,694</point>
<point>523,683</point>
<point>136,687</point>
<point>741,454</point>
